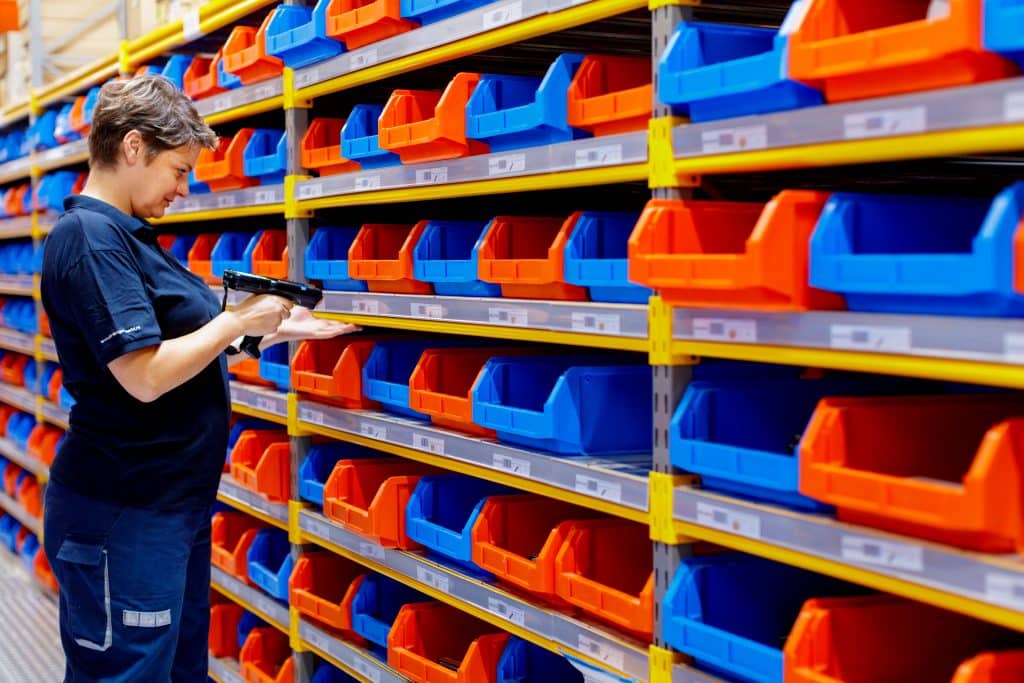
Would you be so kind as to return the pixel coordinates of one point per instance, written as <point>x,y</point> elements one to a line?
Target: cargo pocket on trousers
<point>83,573</point>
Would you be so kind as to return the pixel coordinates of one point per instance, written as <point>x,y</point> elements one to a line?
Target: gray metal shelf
<point>16,285</point>
<point>348,656</point>
<point>19,226</point>
<point>601,152</point>
<point>621,480</point>
<point>253,599</point>
<point>9,450</point>
<point>15,509</point>
<point>247,501</point>
<point>225,670</point>
<point>240,97</point>
<point>48,349</point>
<point>621,655</point>
<point>19,397</point>
<point>72,152</point>
<point>261,195</point>
<point>260,399</point>
<point>54,414</point>
<point>16,169</point>
<point>12,340</point>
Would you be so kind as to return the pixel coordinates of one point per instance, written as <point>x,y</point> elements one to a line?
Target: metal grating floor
<point>29,640</point>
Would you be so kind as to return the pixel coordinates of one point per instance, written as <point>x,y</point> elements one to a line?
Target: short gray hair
<point>152,105</point>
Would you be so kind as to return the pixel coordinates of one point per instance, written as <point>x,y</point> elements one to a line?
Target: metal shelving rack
<point>959,121</point>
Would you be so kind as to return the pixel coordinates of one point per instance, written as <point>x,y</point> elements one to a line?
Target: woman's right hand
<point>262,314</point>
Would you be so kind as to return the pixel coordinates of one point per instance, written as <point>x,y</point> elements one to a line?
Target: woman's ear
<point>132,147</point>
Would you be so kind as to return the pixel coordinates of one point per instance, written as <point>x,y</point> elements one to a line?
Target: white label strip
<point>1013,347</point>
<point>365,669</point>
<point>602,323</point>
<point>506,611</point>
<point>885,123</point>
<point>431,444</point>
<point>432,176</point>
<point>265,197</point>
<point>606,155</point>
<point>1005,589</point>
<point>500,315</point>
<point>506,164</point>
<point>371,550</point>
<point>870,338</point>
<point>1014,106</point>
<point>732,521</point>
<point>505,14</point>
<point>190,25</point>
<point>432,579</point>
<point>374,431</point>
<point>360,59</point>
<point>310,190</point>
<point>367,182</point>
<point>615,659</point>
<point>882,553</point>
<point>513,465</point>
<point>367,306</point>
<point>435,311</point>
<point>734,139</point>
<point>599,488</point>
<point>725,330</point>
<point>225,202</point>
<point>307,77</point>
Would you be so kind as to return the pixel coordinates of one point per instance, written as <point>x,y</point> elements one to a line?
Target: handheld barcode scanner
<point>301,294</point>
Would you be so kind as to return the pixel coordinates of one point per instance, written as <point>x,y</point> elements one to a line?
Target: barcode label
<point>604,323</point>
<point>611,657</point>
<point>725,329</point>
<point>506,611</point>
<point>599,488</point>
<point>374,431</point>
<point>734,139</point>
<point>267,405</point>
<point>1013,347</point>
<point>433,579</point>
<point>513,465</point>
<point>365,669</point>
<point>882,553</point>
<point>191,25</point>
<point>732,521</point>
<point>422,442</point>
<point>265,197</point>
<point>319,640</point>
<point>367,182</point>
<point>189,205</point>
<point>312,416</point>
<point>506,14</point>
<point>315,527</point>
<point>870,337</point>
<point>263,92</point>
<point>1014,106</point>
<point>501,315</point>
<point>225,202</point>
<point>307,77</point>
<point>426,310</point>
<point>504,165</point>
<point>1005,589</point>
<point>371,550</point>
<point>360,59</point>
<point>432,176</point>
<point>368,306</point>
<point>265,605</point>
<point>310,190</point>
<point>606,155</point>
<point>885,123</point>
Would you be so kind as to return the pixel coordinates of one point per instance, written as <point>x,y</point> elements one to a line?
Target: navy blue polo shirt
<point>109,288</point>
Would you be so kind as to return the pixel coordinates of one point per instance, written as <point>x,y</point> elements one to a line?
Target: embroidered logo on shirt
<point>119,333</point>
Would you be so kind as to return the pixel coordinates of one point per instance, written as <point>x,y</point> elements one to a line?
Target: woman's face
<point>162,180</point>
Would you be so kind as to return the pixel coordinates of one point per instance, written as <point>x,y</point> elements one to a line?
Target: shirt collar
<point>135,225</point>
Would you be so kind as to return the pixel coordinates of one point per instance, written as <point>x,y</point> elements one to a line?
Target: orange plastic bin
<point>850,49</point>
<point>885,637</point>
<point>992,667</point>
<point>224,620</point>
<point>430,125</point>
<point>224,168</point>
<point>526,256</point>
<point>381,254</point>
<point>43,572</point>
<point>331,370</point>
<point>321,148</point>
<point>12,369</point>
<point>245,54</point>
<point>42,443</point>
<point>11,474</point>
<point>361,22</point>
<point>436,643</point>
<point>200,257</point>
<point>270,256</point>
<point>261,462</point>
<point>517,538</point>
<point>77,120</point>
<point>875,460</point>
<point>730,254</point>
<point>266,657</point>
<point>322,586</point>
<point>200,79</point>
<point>369,497</point>
<point>611,95</point>
<point>14,201</point>
<point>5,414</point>
<point>30,496</point>
<point>231,535</point>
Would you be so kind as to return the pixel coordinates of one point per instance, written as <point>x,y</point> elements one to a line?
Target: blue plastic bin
<point>447,255</point>
<point>19,427</point>
<point>15,144</point>
<point>597,257</point>
<point>298,35</point>
<point>327,672</point>
<point>41,131</point>
<point>32,377</point>
<point>54,188</point>
<point>715,71</point>
<point>732,612</point>
<point>49,367</point>
<point>511,112</point>
<point>233,251</point>
<point>524,662</point>
<point>9,528</point>
<point>29,549</point>
<point>180,247</point>
<point>226,79</point>
<point>266,156</point>
<point>270,562</point>
<point>429,11</point>
<point>327,258</point>
<point>442,510</point>
<point>92,96</point>
<point>388,369</point>
<point>26,203</point>
<point>915,254</point>
<point>4,152</point>
<point>566,404</point>
<point>67,401</point>
<point>274,366</point>
<point>247,623</point>
<point>360,141</point>
<point>742,435</point>
<point>1004,28</point>
<point>63,133</point>
<point>196,186</point>
<point>175,68</point>
<point>376,604</point>
<point>319,463</point>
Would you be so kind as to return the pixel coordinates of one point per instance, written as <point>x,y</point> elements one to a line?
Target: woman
<point>141,341</point>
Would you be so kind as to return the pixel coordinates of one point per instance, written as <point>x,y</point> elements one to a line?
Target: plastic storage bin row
<point>470,389</point>
<point>20,541</point>
<point>14,145</point>
<point>16,200</point>
<point>19,314</point>
<point>252,156</point>
<point>839,50</point>
<point>22,485</point>
<point>579,96</point>
<point>43,443</point>
<point>263,252</point>
<point>54,187</point>
<point>13,367</point>
<point>578,258</point>
<point>755,620</point>
<point>811,250</point>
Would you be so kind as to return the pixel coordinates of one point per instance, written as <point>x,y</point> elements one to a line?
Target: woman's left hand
<point>302,324</point>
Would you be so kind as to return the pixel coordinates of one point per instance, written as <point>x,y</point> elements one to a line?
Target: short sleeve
<point>106,297</point>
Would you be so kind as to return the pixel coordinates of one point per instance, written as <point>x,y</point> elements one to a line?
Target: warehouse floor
<point>29,642</point>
